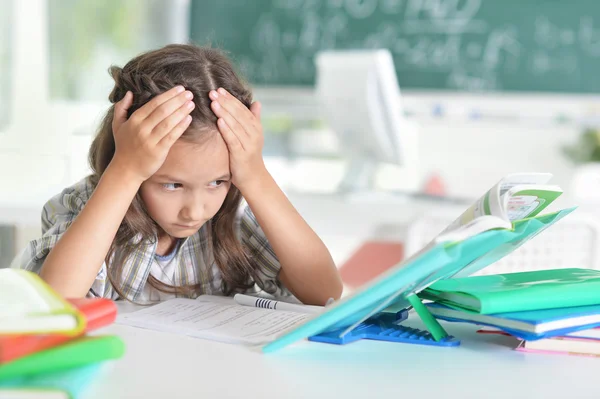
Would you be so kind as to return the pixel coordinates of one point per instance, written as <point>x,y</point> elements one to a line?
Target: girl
<point>161,214</point>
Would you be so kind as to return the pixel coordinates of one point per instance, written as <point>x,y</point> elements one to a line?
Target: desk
<point>164,365</point>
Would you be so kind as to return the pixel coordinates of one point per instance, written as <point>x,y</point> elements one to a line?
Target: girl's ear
<point>255,109</point>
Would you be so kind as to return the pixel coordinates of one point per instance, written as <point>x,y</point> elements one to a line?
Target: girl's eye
<point>216,183</point>
<point>171,186</point>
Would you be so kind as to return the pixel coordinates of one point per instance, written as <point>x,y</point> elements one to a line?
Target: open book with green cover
<point>515,197</point>
<point>506,217</point>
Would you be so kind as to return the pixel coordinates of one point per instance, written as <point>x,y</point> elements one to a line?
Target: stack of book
<point>45,348</point>
<point>550,311</point>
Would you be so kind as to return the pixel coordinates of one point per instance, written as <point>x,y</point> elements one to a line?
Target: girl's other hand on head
<point>243,133</point>
<point>143,141</point>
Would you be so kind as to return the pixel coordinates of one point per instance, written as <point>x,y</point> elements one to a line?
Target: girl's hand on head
<point>143,141</point>
<point>243,133</point>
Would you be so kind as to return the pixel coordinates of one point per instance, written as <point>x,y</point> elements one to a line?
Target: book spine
<point>77,353</point>
<point>98,312</point>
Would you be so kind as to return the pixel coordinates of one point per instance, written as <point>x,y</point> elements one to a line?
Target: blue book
<point>530,325</point>
<point>69,384</point>
<point>438,261</point>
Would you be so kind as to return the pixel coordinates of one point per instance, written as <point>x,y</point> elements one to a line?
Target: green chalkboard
<point>472,45</point>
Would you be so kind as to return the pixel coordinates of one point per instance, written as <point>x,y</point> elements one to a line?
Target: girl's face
<point>190,186</point>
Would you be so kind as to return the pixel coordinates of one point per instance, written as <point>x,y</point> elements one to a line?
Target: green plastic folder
<point>516,292</point>
<point>80,352</point>
<point>70,383</point>
<point>441,261</point>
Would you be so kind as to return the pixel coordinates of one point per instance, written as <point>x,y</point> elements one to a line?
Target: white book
<point>217,318</point>
<point>564,344</point>
<point>29,305</point>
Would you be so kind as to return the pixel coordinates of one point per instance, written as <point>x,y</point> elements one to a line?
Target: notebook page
<point>219,320</point>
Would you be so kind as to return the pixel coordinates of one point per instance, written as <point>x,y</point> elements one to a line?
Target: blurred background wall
<point>494,88</point>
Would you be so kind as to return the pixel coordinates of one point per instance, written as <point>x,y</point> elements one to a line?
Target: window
<point>86,37</point>
<point>5,61</point>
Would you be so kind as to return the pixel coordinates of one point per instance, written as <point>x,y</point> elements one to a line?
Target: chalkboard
<point>472,45</point>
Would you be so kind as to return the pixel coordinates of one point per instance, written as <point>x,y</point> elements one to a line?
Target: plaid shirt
<point>195,262</point>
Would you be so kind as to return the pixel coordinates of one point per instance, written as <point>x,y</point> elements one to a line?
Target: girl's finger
<point>255,108</point>
<point>151,105</point>
<point>233,106</point>
<point>166,109</point>
<point>231,139</point>
<point>120,113</point>
<point>232,123</point>
<point>169,139</point>
<point>169,123</point>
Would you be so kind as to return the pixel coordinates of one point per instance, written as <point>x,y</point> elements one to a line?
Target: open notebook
<point>216,318</point>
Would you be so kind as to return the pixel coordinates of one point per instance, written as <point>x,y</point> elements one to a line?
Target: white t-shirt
<point>163,269</point>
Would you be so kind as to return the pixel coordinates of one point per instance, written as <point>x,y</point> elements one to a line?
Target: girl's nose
<point>193,212</point>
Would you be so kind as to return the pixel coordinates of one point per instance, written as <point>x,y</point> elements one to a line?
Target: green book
<point>80,352</point>
<point>516,292</point>
<point>65,384</point>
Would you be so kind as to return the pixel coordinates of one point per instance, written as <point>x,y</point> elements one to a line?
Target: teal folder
<point>440,261</point>
<point>70,384</point>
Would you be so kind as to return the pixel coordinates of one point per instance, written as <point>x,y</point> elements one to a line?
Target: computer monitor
<point>359,97</point>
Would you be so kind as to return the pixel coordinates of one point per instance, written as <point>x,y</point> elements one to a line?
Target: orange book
<point>98,312</point>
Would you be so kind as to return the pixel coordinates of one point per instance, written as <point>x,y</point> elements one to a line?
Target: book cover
<point>67,384</point>
<point>588,333</point>
<point>76,353</point>
<point>97,312</point>
<point>415,274</point>
<point>527,325</point>
<point>513,292</point>
<point>30,306</point>
<point>563,345</point>
<point>547,352</point>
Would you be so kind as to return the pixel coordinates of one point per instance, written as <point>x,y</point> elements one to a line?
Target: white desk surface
<point>164,365</point>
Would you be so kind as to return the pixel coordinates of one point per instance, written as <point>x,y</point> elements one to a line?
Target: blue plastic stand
<point>384,327</point>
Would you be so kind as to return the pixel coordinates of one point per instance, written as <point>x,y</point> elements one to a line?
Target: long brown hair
<point>199,70</point>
